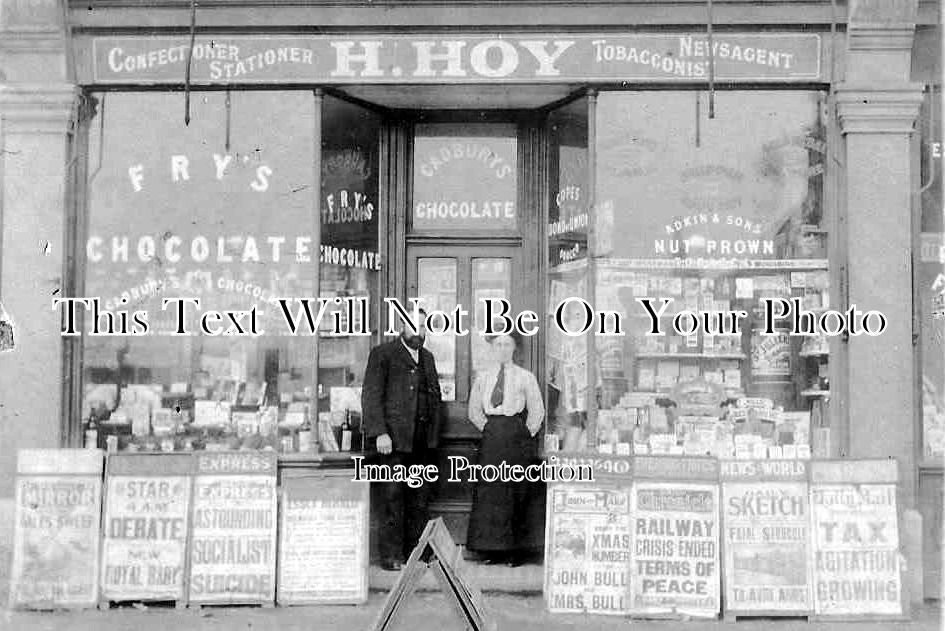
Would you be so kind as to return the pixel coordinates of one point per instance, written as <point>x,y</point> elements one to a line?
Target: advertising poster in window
<point>770,354</point>
<point>350,263</point>
<point>676,558</point>
<point>233,541</point>
<point>57,528</point>
<point>766,534</point>
<point>857,566</point>
<point>675,185</point>
<point>568,212</point>
<point>147,510</point>
<point>220,210</point>
<point>437,292</point>
<point>323,551</point>
<point>588,543</point>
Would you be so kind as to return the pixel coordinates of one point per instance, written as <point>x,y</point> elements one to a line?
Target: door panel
<point>466,275</point>
<point>444,277</point>
<point>469,223</point>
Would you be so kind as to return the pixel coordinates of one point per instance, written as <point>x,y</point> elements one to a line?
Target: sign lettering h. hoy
<point>447,58</point>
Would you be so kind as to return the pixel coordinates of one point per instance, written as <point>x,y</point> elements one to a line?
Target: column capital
<point>879,40</point>
<point>878,110</point>
<point>886,37</point>
<point>38,108</point>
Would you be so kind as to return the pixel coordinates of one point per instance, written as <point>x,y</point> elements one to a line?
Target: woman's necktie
<point>499,390</point>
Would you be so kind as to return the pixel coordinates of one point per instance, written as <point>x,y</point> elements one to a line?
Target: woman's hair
<point>515,335</point>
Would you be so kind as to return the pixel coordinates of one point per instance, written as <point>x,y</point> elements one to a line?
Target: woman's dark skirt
<point>503,515</point>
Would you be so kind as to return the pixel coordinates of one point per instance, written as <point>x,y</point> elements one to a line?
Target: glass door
<point>445,277</point>
<point>464,229</point>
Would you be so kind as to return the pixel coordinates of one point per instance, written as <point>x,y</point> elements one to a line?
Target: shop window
<point>567,240</point>
<point>350,266</point>
<point>220,210</point>
<point>711,215</point>
<point>930,283</point>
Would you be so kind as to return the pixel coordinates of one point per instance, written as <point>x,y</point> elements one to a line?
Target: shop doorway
<point>467,238</point>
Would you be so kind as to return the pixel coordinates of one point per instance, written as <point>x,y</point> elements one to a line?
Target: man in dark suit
<point>400,403</point>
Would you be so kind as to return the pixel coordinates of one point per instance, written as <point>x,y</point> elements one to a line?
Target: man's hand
<point>384,444</point>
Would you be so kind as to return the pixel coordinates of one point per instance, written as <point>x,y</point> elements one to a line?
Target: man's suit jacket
<point>389,395</point>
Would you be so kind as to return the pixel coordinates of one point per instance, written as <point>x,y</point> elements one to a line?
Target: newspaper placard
<point>57,528</point>
<point>675,565</point>
<point>588,549</point>
<point>146,523</point>
<point>233,540</point>
<point>856,561</point>
<point>323,550</point>
<point>766,530</point>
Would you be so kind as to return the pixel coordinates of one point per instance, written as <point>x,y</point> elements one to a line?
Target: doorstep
<point>522,580</point>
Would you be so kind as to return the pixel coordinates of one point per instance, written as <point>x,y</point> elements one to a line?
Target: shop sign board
<point>766,537</point>
<point>523,57</point>
<point>57,528</point>
<point>233,537</point>
<point>323,542</point>
<point>147,512</point>
<point>588,539</point>
<point>857,565</point>
<point>675,562</point>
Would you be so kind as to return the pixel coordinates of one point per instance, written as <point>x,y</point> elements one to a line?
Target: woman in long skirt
<point>505,404</point>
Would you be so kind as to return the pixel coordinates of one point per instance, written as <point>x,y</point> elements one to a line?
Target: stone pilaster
<point>37,117</point>
<point>877,108</point>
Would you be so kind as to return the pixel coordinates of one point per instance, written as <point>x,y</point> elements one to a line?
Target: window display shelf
<point>814,393</point>
<point>690,356</point>
<point>741,265</point>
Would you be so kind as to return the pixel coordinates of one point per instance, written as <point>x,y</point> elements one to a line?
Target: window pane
<point>568,211</point>
<point>436,288</point>
<point>350,263</point>
<point>931,286</point>
<point>220,210</point>
<point>465,177</point>
<point>711,215</point>
<point>566,356</point>
<point>491,279</point>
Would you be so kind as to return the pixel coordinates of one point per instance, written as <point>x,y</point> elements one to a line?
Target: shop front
<point>242,204</point>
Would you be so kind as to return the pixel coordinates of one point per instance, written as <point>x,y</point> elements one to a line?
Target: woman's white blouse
<point>520,392</point>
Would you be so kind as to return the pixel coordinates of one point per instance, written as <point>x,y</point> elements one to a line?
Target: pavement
<point>424,611</point>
